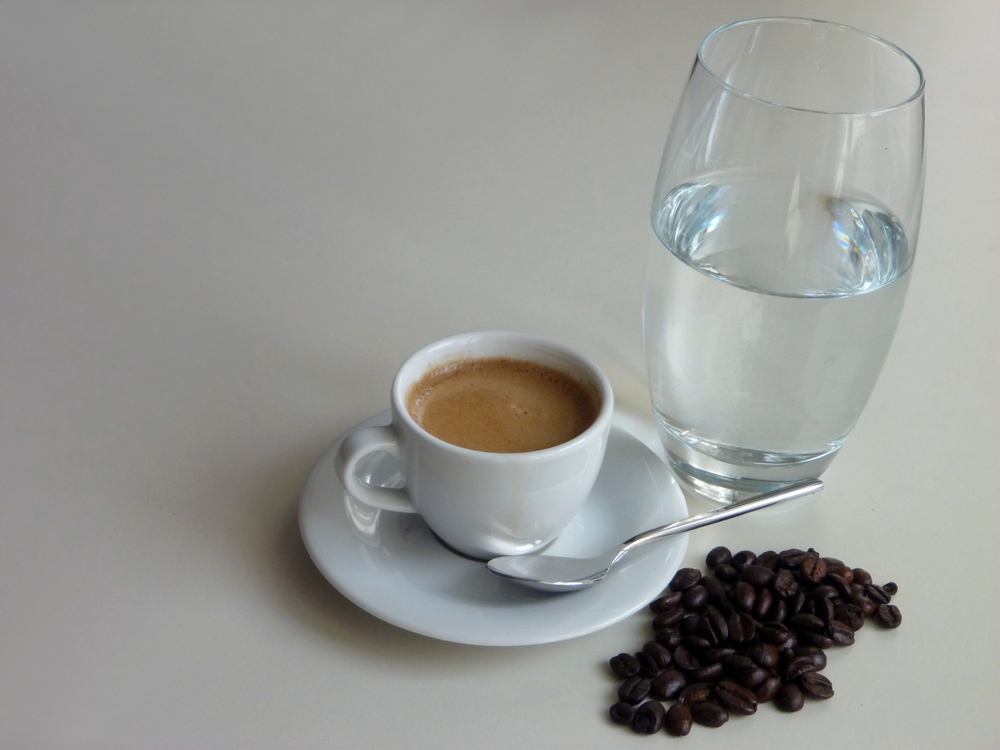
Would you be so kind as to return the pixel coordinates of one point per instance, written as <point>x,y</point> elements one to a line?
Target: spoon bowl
<point>565,574</point>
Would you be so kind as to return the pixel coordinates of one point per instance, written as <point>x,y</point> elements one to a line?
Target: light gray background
<point>223,226</point>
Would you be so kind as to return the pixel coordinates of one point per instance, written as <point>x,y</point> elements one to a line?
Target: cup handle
<point>355,447</point>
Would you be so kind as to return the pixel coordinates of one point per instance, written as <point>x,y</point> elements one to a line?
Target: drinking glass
<point>787,208</point>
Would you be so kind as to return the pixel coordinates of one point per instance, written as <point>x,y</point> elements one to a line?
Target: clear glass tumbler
<point>786,210</point>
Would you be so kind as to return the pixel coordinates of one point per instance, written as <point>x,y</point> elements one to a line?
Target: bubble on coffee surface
<point>755,629</point>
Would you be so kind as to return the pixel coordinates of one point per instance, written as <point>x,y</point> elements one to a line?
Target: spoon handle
<point>721,514</point>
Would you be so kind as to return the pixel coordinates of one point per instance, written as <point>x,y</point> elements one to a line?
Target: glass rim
<point>917,93</point>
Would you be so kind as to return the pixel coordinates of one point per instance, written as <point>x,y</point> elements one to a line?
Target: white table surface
<point>222,227</point>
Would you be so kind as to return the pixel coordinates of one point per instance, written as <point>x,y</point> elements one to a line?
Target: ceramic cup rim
<point>420,362</point>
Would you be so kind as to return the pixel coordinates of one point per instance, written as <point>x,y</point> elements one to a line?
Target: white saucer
<point>391,565</point>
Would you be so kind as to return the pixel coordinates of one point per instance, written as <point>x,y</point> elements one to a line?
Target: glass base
<point>727,482</point>
<point>718,488</point>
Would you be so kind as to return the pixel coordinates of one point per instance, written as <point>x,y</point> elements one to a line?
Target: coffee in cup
<point>500,435</point>
<point>502,405</point>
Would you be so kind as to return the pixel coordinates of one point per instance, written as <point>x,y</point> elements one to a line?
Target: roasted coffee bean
<point>696,693</point>
<point>889,615</point>
<point>624,665</point>
<point>684,579</point>
<point>768,560</point>
<point>696,644</point>
<point>647,664</point>
<point>724,606</point>
<point>813,568</point>
<point>659,653</point>
<point>634,690</point>
<point>742,628</point>
<point>667,685</point>
<point>689,625</point>
<point>649,717</point>
<point>763,605</point>
<point>710,607</point>
<point>718,556</point>
<point>824,591</point>
<point>797,603</point>
<point>666,602</point>
<point>709,714</point>
<point>779,611</point>
<point>789,698</point>
<point>866,605</point>
<point>622,713</point>
<point>695,598</point>
<point>862,576</point>
<point>684,660</point>
<point>816,685</point>
<point>816,639</point>
<point>736,663</point>
<point>791,558</point>
<point>840,633</point>
<point>843,571</point>
<point>765,655</point>
<point>678,720</point>
<point>877,594</point>
<point>817,655</point>
<point>708,673</point>
<point>850,615</point>
<point>769,688</point>
<point>784,584</point>
<point>715,587</point>
<point>736,698</point>
<point>670,618</point>
<point>833,563</point>
<point>744,596</point>
<point>757,575</point>
<point>776,633</point>
<point>791,643</point>
<point>669,637</point>
<point>754,676</point>
<point>726,572</point>
<point>713,628</point>
<point>890,588</point>
<point>742,559</point>
<point>825,609</point>
<point>842,585</point>
<point>714,655</point>
<point>797,667</point>
<point>807,623</point>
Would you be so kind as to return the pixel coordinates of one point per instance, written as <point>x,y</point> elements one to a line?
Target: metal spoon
<point>551,573</point>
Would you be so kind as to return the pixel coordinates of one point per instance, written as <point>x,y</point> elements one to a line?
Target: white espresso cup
<point>484,504</point>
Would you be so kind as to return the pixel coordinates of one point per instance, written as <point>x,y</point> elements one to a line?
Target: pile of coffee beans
<point>754,630</point>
